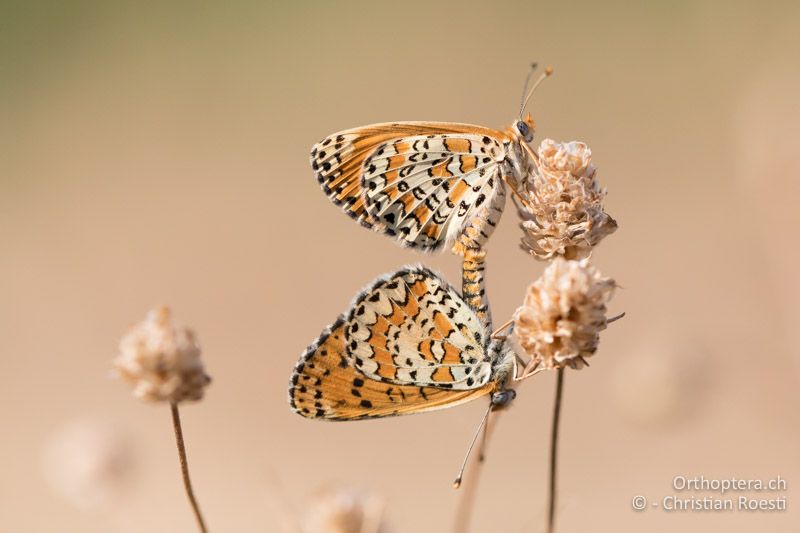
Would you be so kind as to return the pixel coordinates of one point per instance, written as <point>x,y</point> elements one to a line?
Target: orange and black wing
<point>325,384</point>
<point>413,328</point>
<point>420,182</point>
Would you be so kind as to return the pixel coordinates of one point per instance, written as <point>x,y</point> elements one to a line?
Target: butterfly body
<point>425,183</point>
<point>408,344</point>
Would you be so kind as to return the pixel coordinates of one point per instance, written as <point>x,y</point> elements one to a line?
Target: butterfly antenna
<point>457,481</point>
<point>482,454</point>
<point>525,88</point>
<point>547,72</point>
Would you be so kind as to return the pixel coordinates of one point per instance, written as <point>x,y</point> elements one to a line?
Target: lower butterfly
<point>427,183</point>
<point>408,344</point>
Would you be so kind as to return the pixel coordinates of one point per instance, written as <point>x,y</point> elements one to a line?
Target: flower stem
<point>551,511</point>
<point>187,483</point>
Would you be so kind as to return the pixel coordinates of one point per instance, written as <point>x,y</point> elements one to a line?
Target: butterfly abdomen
<point>473,289</point>
<point>477,230</point>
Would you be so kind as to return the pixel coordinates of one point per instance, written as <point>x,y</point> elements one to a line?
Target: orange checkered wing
<point>424,183</point>
<point>326,385</point>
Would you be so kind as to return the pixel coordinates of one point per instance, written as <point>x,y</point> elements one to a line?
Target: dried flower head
<point>559,323</point>
<point>89,462</point>
<point>344,511</point>
<point>562,212</point>
<point>161,361</point>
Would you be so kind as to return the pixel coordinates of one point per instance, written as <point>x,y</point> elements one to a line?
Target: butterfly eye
<point>523,128</point>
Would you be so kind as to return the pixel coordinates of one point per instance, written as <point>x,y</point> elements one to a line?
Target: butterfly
<point>408,344</point>
<point>427,183</point>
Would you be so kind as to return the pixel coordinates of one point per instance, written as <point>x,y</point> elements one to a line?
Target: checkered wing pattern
<point>423,183</point>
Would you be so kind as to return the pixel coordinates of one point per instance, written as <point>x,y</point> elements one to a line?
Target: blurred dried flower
<point>564,311</point>
<point>344,511</point>
<point>562,209</point>
<point>88,462</point>
<point>162,362</point>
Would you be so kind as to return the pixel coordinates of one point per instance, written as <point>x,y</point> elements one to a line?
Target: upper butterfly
<point>427,183</point>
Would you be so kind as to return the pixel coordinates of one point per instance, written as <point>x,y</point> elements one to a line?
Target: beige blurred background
<point>158,154</point>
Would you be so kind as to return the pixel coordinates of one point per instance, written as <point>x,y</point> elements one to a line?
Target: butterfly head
<point>525,128</point>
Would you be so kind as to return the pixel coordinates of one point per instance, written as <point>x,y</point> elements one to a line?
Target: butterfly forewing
<point>326,385</point>
<point>418,181</point>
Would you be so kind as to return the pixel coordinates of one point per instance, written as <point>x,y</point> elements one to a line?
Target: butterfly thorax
<point>517,165</point>
<point>503,361</point>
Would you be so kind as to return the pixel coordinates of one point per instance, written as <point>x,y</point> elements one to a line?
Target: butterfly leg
<point>496,333</point>
<point>515,366</point>
<point>531,152</point>
<point>521,199</point>
<point>532,368</point>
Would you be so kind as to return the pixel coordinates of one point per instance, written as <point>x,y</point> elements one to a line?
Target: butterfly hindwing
<point>325,384</point>
<point>422,188</point>
<point>413,328</point>
<point>418,181</point>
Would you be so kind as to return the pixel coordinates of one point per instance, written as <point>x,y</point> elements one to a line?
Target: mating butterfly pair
<point>410,343</point>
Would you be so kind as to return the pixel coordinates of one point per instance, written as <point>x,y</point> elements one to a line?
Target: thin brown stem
<point>551,510</point>
<point>187,483</point>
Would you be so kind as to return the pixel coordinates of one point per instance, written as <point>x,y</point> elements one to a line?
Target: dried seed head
<point>162,362</point>
<point>563,210</point>
<point>344,511</point>
<point>564,311</point>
